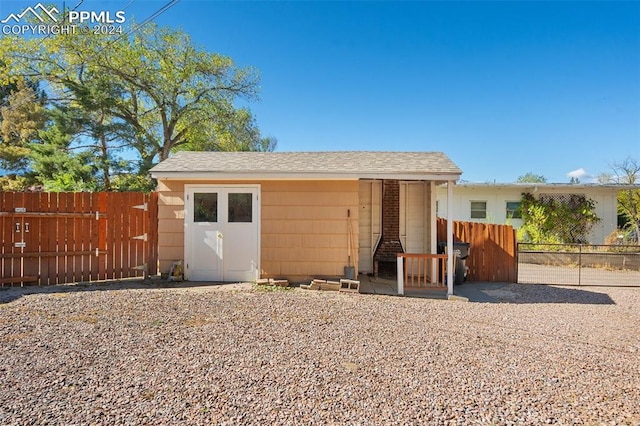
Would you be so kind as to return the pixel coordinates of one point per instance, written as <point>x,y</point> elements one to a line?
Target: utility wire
<point>137,27</point>
<point>159,12</point>
<point>129,4</point>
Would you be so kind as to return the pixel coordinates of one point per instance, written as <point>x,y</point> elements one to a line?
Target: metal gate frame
<point>579,264</point>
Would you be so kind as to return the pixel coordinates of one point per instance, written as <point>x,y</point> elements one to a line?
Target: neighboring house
<point>245,215</point>
<point>499,203</point>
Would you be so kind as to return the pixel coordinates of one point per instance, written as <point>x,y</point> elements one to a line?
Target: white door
<point>222,229</point>
<point>413,217</point>
<point>370,223</point>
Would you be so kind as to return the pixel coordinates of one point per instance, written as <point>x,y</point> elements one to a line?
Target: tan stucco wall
<point>303,226</point>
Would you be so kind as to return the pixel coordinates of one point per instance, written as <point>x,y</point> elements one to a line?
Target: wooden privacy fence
<point>57,238</point>
<point>492,249</point>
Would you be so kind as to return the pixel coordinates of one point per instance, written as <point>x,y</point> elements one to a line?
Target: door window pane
<point>205,207</point>
<point>240,207</point>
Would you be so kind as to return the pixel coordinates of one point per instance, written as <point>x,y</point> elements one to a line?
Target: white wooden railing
<point>421,271</point>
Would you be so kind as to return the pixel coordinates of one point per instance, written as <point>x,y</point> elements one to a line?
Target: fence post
<point>400,274</point>
<point>579,264</point>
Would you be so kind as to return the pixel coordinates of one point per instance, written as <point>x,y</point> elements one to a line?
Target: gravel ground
<point>110,356</point>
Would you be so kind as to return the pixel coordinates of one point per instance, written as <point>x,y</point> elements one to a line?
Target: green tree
<point>627,172</point>
<point>58,168</point>
<point>530,177</point>
<point>95,130</point>
<point>22,116</point>
<point>154,92</point>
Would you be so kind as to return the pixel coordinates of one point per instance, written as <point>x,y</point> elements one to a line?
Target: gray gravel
<point>113,356</point>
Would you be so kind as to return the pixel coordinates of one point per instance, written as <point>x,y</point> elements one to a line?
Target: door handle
<point>220,235</point>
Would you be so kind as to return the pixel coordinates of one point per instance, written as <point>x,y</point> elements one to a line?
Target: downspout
<point>450,252</point>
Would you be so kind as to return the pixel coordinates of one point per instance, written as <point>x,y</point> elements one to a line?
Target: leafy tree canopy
<point>152,92</point>
<point>22,116</point>
<point>627,172</point>
<point>530,177</point>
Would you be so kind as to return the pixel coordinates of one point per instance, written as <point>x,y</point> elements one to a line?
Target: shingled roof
<point>342,164</point>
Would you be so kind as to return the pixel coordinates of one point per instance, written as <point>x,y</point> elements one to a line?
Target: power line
<point>128,4</point>
<point>159,12</point>
<point>136,27</point>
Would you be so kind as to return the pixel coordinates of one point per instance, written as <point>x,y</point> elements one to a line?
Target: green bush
<point>552,221</point>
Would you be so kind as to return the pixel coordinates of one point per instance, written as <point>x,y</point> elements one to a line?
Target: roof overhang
<point>207,176</point>
<point>549,186</point>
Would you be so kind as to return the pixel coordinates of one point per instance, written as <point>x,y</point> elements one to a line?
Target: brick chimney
<point>389,245</point>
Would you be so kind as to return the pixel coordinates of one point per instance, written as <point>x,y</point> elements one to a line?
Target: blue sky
<point>503,88</point>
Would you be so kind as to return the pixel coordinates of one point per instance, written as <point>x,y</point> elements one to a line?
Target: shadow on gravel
<point>10,294</point>
<point>530,293</point>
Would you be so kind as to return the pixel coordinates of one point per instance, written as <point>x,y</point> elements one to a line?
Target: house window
<point>478,210</point>
<point>513,210</point>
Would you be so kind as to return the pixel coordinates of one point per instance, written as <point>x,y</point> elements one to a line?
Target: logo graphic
<point>41,20</point>
<point>50,13</point>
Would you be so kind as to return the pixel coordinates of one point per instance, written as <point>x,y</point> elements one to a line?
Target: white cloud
<point>579,174</point>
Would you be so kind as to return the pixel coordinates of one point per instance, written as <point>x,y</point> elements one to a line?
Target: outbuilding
<point>240,216</point>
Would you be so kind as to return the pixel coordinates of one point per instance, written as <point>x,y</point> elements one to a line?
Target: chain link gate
<point>579,264</point>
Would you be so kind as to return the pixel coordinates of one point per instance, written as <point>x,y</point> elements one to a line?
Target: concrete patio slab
<point>388,286</point>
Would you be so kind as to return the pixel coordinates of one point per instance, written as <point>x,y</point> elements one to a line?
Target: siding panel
<point>303,226</point>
